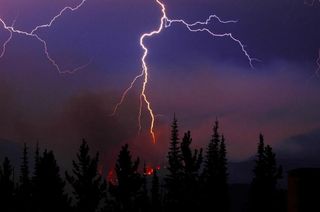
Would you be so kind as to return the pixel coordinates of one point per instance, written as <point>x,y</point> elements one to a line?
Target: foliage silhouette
<point>48,186</point>
<point>266,175</point>
<point>143,201</point>
<point>191,163</point>
<point>88,187</point>
<point>129,181</point>
<point>215,175</point>
<point>189,182</point>
<point>173,180</point>
<point>6,186</point>
<point>155,193</point>
<point>24,192</point>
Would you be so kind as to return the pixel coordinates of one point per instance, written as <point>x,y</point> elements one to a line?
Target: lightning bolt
<point>33,34</point>
<point>4,46</point>
<point>166,22</point>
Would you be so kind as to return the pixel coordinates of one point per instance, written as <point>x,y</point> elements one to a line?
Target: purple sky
<point>197,77</point>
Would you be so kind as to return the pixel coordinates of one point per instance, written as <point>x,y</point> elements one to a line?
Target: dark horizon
<point>190,179</point>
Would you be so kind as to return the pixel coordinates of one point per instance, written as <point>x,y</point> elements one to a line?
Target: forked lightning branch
<point>164,22</point>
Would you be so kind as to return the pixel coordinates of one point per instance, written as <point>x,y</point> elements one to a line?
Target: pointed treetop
<point>216,124</point>
<point>174,130</point>
<point>261,147</point>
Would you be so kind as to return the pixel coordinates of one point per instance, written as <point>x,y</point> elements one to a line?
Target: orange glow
<point>111,178</point>
<point>149,171</point>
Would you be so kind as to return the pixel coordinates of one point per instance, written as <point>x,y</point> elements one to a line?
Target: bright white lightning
<point>166,22</point>
<point>33,34</point>
<point>4,46</point>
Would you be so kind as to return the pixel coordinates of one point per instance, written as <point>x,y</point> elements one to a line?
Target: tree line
<point>194,180</point>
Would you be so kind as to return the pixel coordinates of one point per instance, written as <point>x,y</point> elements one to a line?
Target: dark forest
<point>193,180</point>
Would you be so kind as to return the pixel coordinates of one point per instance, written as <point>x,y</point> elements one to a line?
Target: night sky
<point>196,76</point>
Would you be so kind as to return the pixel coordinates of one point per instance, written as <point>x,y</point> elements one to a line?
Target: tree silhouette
<point>173,179</point>
<point>191,163</point>
<point>88,187</point>
<point>210,171</point>
<point>35,179</point>
<point>36,162</point>
<point>48,190</point>
<point>6,186</point>
<point>143,202</point>
<point>215,176</point>
<point>155,192</point>
<point>223,200</point>
<point>129,181</point>
<point>187,185</point>
<point>266,175</point>
<point>24,191</point>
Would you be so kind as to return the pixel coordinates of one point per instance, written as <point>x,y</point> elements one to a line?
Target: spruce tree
<point>36,166</point>
<point>88,186</point>
<point>260,160</point>
<point>34,178</point>
<point>143,202</point>
<point>223,200</point>
<point>173,179</point>
<point>174,154</point>
<point>6,186</point>
<point>48,190</point>
<point>191,162</point>
<point>37,155</point>
<point>24,171</point>
<point>24,189</point>
<point>215,174</point>
<point>210,171</point>
<point>129,181</point>
<point>266,175</point>
<point>223,162</point>
<point>155,192</point>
